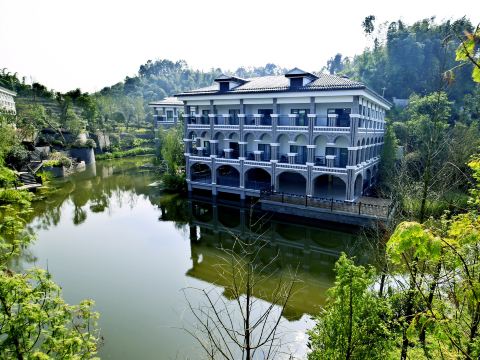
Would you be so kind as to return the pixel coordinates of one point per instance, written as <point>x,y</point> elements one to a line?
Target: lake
<point>107,235</point>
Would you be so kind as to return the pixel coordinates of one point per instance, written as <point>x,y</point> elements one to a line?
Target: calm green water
<point>106,234</point>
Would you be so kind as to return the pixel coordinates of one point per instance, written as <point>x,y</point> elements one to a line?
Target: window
<point>296,82</point>
<point>224,86</point>
<point>234,115</point>
<point>302,116</point>
<point>205,119</point>
<point>343,118</point>
<point>169,115</point>
<point>266,118</point>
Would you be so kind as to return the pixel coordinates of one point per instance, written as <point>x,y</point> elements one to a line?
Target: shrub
<point>78,144</point>
<point>7,177</point>
<point>15,197</point>
<point>174,182</point>
<point>126,153</point>
<point>17,157</point>
<point>57,160</point>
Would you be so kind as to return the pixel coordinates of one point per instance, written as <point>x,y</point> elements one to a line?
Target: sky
<point>89,44</point>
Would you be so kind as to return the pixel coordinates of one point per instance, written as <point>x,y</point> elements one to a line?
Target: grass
<point>126,153</point>
<point>453,201</point>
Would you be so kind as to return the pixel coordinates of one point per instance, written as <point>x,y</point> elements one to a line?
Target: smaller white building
<point>7,101</point>
<point>166,112</point>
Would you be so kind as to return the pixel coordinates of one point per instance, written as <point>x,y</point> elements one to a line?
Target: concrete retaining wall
<point>83,154</point>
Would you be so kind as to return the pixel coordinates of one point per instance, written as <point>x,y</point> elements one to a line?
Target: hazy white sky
<point>89,44</point>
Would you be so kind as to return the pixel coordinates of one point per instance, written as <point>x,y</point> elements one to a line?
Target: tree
<point>469,51</point>
<point>35,322</point>
<point>368,24</point>
<point>421,174</point>
<point>354,322</point>
<point>335,64</point>
<point>241,327</point>
<point>388,156</point>
<point>172,148</point>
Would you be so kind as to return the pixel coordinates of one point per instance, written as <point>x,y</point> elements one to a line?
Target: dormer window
<point>224,86</point>
<point>229,82</point>
<point>296,82</point>
<point>299,78</point>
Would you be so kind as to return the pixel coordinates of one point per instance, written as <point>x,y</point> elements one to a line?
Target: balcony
<point>163,119</point>
<point>198,119</point>
<point>320,161</point>
<point>257,156</point>
<point>285,122</point>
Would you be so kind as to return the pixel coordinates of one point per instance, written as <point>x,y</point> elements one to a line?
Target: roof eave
<point>265,91</point>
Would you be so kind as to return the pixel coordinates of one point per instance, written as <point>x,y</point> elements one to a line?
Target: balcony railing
<point>249,120</point>
<point>298,120</point>
<point>320,161</point>
<point>283,120</point>
<point>266,121</point>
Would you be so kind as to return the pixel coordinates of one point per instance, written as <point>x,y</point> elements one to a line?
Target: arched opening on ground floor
<point>292,183</point>
<point>357,189</point>
<point>375,174</point>
<point>201,173</point>
<point>228,176</point>
<point>257,179</point>
<point>368,177</point>
<point>329,186</point>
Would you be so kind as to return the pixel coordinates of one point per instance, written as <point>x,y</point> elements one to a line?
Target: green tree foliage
<point>368,24</point>
<point>354,322</point>
<point>389,153</point>
<point>172,148</point>
<point>433,166</point>
<point>8,135</point>
<point>407,59</point>
<point>431,309</point>
<point>35,322</point>
<point>468,52</point>
<point>471,107</point>
<point>335,64</point>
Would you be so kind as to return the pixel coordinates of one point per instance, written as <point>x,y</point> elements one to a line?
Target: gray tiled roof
<point>168,101</point>
<point>8,91</point>
<point>281,83</point>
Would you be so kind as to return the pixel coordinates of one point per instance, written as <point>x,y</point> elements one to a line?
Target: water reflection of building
<point>312,249</point>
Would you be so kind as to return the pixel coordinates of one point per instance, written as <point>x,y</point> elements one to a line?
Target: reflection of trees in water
<point>174,208</point>
<point>314,250</point>
<point>111,183</point>
<point>79,215</point>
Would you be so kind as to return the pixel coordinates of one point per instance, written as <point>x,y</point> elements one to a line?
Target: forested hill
<point>406,59</point>
<point>160,78</point>
<point>402,60</point>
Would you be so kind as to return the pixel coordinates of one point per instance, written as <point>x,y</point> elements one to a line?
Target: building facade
<point>166,112</point>
<point>297,133</point>
<point>7,101</point>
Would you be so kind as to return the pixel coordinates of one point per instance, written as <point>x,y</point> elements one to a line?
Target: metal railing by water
<point>331,205</point>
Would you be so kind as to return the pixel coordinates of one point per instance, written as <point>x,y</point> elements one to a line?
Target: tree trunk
<point>247,318</point>
<point>350,321</point>
<point>433,287</point>
<point>409,311</point>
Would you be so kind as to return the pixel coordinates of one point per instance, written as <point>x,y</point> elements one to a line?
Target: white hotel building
<point>298,133</point>
<point>7,101</point>
<point>166,112</point>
